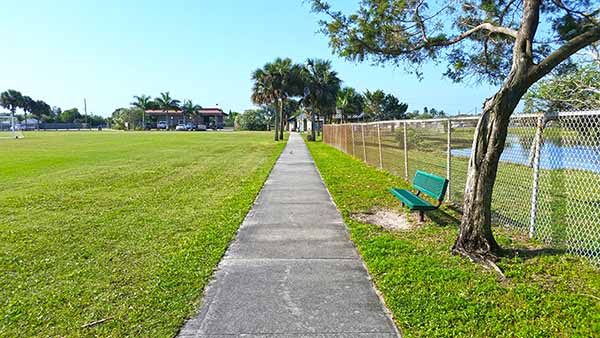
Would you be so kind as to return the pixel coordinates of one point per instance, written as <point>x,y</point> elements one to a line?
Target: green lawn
<point>431,293</point>
<point>126,227</point>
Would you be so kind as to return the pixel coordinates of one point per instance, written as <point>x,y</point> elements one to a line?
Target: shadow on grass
<point>525,253</point>
<point>452,217</point>
<point>443,218</point>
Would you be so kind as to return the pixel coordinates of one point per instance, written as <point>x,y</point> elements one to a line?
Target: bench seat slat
<point>411,200</point>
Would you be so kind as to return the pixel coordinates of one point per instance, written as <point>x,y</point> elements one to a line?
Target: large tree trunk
<point>475,238</point>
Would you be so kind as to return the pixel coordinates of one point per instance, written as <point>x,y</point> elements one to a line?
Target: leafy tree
<point>126,118</point>
<point>231,118</point>
<point>496,41</point>
<point>374,105</point>
<point>569,90</point>
<point>96,120</point>
<point>252,119</point>
<point>11,100</point>
<point>28,105</point>
<point>55,114</point>
<point>143,102</point>
<point>393,109</point>
<point>322,85</point>
<point>70,116</point>
<point>349,102</point>
<point>40,109</point>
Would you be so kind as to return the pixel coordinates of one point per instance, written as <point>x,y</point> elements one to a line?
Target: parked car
<point>201,127</point>
<point>181,127</point>
<point>191,126</point>
<point>162,125</point>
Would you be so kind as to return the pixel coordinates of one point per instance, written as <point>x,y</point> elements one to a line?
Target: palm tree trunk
<point>281,122</point>
<point>312,127</point>
<point>318,126</point>
<point>276,127</point>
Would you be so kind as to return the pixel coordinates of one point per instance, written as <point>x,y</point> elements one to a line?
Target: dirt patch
<point>387,219</point>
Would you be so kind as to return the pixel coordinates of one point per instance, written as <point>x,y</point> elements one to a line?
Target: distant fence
<point>49,126</point>
<point>548,181</point>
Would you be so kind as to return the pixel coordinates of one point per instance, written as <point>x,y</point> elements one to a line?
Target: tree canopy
<point>575,88</point>
<point>475,38</point>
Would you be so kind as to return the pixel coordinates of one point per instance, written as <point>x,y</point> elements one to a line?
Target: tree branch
<point>484,26</point>
<point>565,51</point>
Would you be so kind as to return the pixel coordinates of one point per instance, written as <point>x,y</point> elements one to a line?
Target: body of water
<point>552,156</point>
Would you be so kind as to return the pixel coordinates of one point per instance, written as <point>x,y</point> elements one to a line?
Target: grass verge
<point>121,228</point>
<point>432,293</point>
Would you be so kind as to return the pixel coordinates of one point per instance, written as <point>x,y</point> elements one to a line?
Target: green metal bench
<point>426,183</point>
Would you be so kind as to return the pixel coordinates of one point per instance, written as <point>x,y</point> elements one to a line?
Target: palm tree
<point>274,84</point>
<point>190,109</point>
<point>165,102</point>
<point>144,103</point>
<point>374,104</point>
<point>349,102</point>
<point>322,85</point>
<point>263,92</point>
<point>11,100</point>
<point>28,105</point>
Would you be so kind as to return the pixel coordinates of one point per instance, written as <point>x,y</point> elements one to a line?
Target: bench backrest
<point>431,185</point>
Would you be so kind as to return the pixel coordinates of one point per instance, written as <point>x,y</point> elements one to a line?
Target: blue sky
<point>108,51</point>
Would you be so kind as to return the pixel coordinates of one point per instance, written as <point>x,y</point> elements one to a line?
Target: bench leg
<point>421,216</point>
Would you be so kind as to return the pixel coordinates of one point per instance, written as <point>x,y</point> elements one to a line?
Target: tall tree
<point>263,93</point>
<point>374,105</point>
<point>274,84</point>
<point>28,105</point>
<point>349,102</point>
<point>494,40</point>
<point>393,109</point>
<point>11,99</point>
<point>323,85</point>
<point>41,109</point>
<point>190,109</point>
<point>143,102</point>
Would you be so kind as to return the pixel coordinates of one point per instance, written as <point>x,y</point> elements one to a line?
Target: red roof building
<point>207,116</point>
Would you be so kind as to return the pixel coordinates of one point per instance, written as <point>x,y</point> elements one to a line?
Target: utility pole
<point>85,110</point>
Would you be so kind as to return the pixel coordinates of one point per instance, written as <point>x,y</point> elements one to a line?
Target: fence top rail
<point>474,118</point>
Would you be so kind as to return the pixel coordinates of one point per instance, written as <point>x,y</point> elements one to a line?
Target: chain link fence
<point>548,180</point>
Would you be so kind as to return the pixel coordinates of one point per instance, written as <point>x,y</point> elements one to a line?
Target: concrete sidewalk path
<point>292,270</point>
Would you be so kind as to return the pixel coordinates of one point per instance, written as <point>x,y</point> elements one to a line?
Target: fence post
<point>405,153</point>
<point>537,145</point>
<point>362,129</point>
<point>379,142</point>
<point>352,132</point>
<point>449,161</point>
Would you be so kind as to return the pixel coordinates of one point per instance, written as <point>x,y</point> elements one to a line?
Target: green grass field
<point>121,227</point>
<point>432,293</point>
